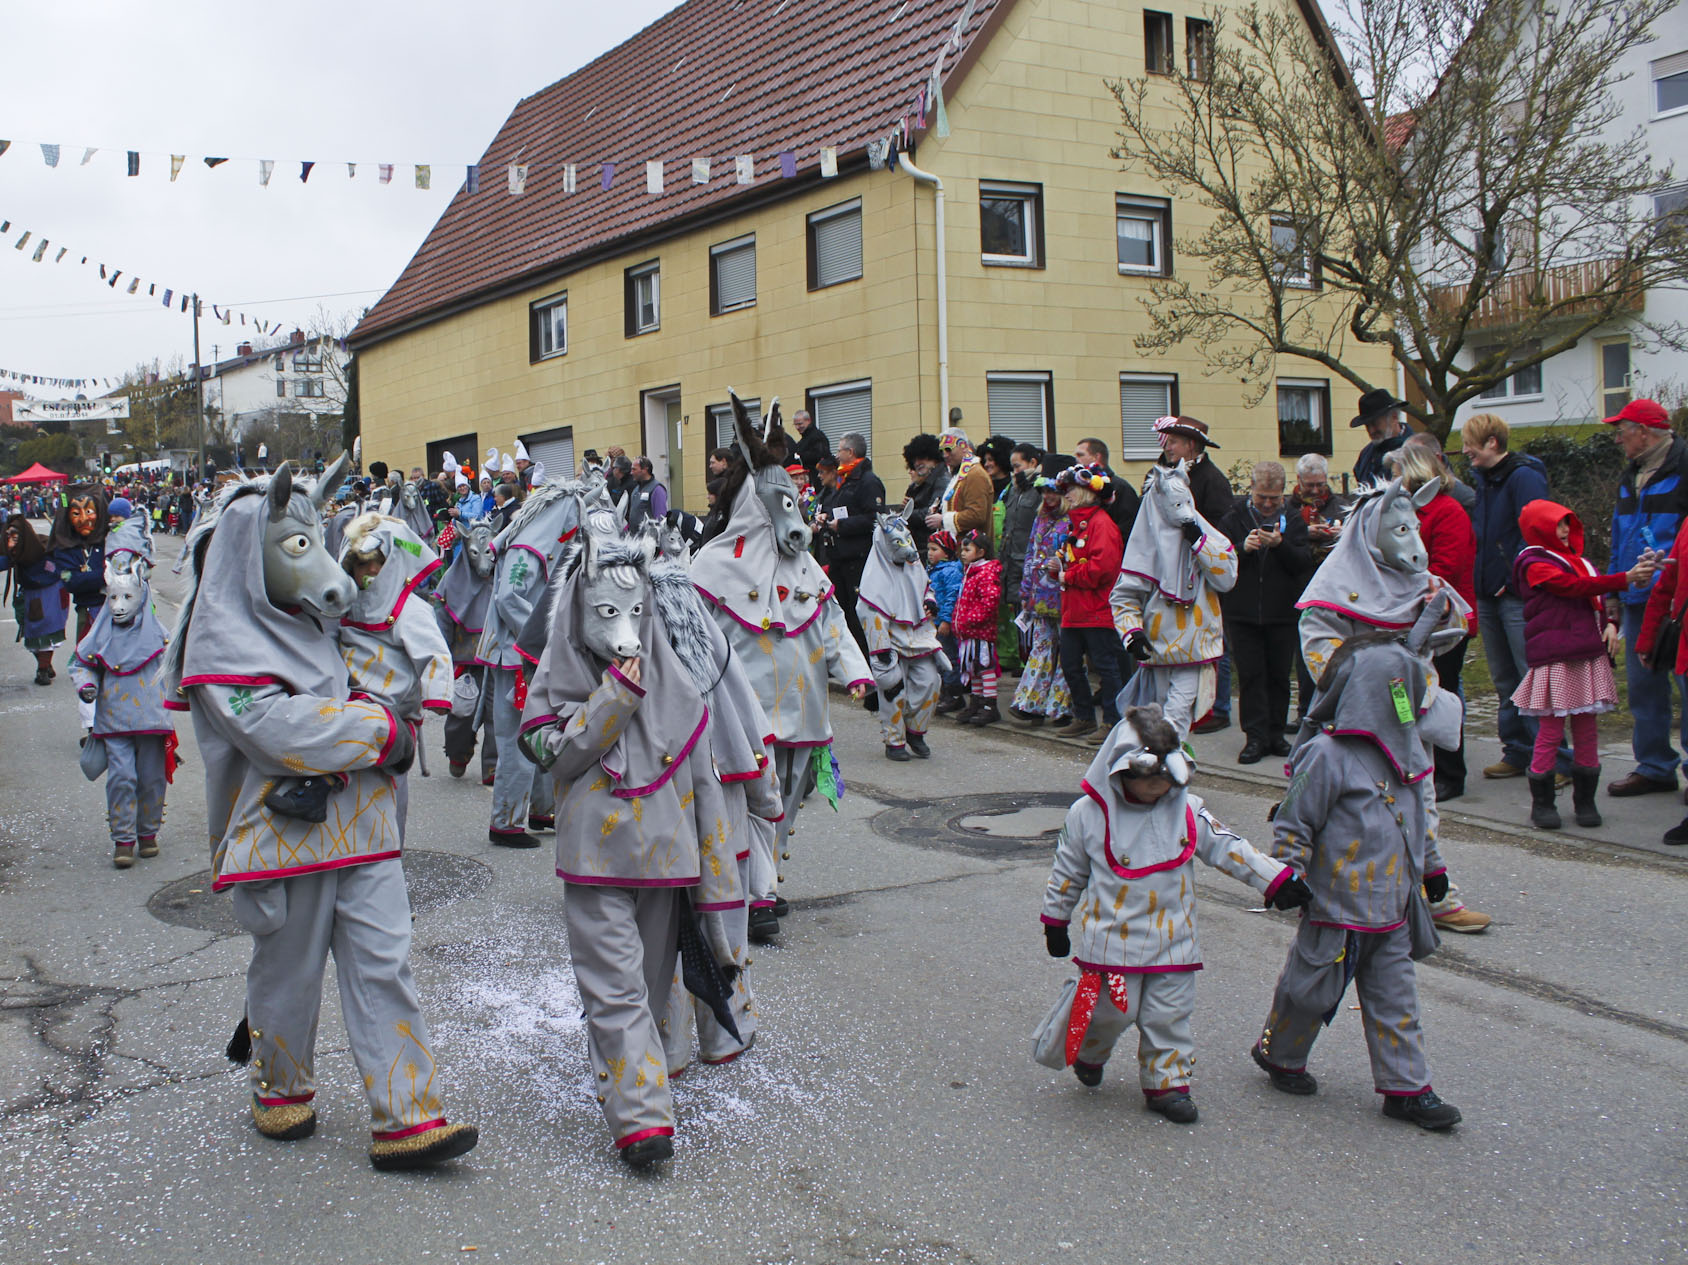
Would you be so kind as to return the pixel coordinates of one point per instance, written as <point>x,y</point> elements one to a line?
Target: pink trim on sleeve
<point>1284,876</point>
<point>392,735</point>
<point>629,685</point>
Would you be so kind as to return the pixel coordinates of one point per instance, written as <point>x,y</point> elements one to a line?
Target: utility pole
<point>199,386</point>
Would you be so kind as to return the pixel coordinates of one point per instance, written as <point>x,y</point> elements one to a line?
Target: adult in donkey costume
<point>1377,579</point>
<point>776,606</point>
<point>266,685</point>
<point>742,800</point>
<point>902,642</point>
<point>615,717</point>
<point>461,601</point>
<point>1356,821</point>
<point>1166,601</point>
<point>526,555</point>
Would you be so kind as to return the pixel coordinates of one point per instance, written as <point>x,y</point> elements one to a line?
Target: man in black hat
<point>1385,421</point>
<point>1186,439</point>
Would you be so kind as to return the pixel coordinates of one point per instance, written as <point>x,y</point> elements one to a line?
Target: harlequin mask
<point>84,515</point>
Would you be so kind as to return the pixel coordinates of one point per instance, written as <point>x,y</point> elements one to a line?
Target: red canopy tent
<point>38,473</point>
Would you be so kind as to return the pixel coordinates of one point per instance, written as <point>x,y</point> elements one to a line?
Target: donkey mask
<point>298,570</point>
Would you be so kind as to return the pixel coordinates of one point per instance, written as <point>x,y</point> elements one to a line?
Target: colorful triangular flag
<point>829,160</point>
<point>516,175</point>
<point>653,176</point>
<point>50,154</point>
<point>744,168</point>
<point>606,175</point>
<point>385,171</point>
<point>700,171</point>
<point>266,167</point>
<point>176,161</point>
<point>788,163</point>
<point>305,171</point>
<point>424,176</point>
<point>134,162</point>
<point>88,155</point>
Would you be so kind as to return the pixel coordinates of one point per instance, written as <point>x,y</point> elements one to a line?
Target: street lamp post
<point>199,385</point>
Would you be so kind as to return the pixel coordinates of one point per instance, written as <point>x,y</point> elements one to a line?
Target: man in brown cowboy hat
<point>1385,421</point>
<point>1186,439</point>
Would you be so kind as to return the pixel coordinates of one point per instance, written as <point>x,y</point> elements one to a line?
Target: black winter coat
<point>1019,509</point>
<point>1269,581</point>
<point>811,447</point>
<point>861,496</point>
<point>918,501</point>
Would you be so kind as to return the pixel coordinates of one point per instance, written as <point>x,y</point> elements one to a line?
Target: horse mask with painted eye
<point>126,591</point>
<point>614,588</point>
<point>894,579</point>
<point>477,546</point>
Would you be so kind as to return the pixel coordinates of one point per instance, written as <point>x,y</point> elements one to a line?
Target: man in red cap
<point>1652,505</point>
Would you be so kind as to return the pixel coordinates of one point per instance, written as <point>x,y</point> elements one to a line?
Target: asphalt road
<point>890,1112</point>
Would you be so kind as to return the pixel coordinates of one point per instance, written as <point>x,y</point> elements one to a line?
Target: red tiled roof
<point>1398,129</point>
<point>711,78</point>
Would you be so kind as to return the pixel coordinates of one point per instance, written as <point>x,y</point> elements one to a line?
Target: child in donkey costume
<point>129,542</point>
<point>902,641</point>
<point>525,557</point>
<point>1354,821</point>
<point>1123,863</point>
<point>614,716</point>
<point>743,799</point>
<point>1376,579</point>
<point>462,598</point>
<point>1166,601</point>
<point>118,669</point>
<point>777,609</point>
<point>393,649</point>
<point>266,684</point>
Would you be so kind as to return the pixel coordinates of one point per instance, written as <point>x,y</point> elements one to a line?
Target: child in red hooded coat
<point>975,628</point>
<point>1570,672</point>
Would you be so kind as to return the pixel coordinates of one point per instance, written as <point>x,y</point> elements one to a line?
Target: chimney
<point>298,337</point>
<point>245,349</point>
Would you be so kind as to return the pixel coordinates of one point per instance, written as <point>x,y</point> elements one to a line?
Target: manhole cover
<point>1023,823</point>
<point>989,824</point>
<point>435,879</point>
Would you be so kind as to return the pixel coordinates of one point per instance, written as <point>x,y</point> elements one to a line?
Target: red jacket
<point>1662,602</point>
<point>1091,558</point>
<point>975,608</point>
<point>1452,545</point>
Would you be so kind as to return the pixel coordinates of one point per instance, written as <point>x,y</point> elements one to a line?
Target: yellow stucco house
<point>592,310</point>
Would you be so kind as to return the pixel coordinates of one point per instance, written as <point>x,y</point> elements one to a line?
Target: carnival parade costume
<point>1124,869</point>
<point>462,599</point>
<point>268,691</point>
<point>118,669</point>
<point>902,638</point>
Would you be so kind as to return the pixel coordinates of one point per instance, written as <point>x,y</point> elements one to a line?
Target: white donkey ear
<point>1427,493</point>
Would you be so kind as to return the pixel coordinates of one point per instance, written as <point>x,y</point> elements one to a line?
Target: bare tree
<point>1442,179</point>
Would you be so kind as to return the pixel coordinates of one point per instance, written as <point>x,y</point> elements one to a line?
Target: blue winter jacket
<point>1657,511</point>
<point>1503,491</point>
<point>945,579</point>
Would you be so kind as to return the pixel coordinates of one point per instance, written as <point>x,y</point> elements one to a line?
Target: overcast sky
<point>365,81</point>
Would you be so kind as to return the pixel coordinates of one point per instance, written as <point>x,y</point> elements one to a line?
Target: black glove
<point>1192,531</point>
<point>1137,645</point>
<point>1292,893</point>
<point>1436,886</point>
<point>1056,941</point>
<point>404,750</point>
<point>87,693</point>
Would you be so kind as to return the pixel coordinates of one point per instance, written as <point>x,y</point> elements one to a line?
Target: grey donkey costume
<point>119,667</point>
<point>902,642</point>
<point>527,553</point>
<point>268,692</point>
<point>1354,820</point>
<point>630,759</point>
<point>1124,868</point>
<point>462,598</point>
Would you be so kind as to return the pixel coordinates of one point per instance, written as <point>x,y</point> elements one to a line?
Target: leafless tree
<point>1444,177</point>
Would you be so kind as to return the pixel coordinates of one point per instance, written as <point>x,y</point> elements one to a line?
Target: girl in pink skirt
<point>1570,676</point>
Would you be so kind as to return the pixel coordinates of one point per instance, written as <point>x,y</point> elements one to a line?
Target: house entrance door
<point>664,440</point>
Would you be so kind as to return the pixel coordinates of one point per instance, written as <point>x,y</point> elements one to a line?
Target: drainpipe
<point>924,177</point>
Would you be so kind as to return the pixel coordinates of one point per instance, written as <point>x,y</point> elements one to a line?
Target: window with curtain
<point>1143,227</point>
<point>548,332</point>
<point>644,298</point>
<point>1010,228</point>
<point>1303,416</point>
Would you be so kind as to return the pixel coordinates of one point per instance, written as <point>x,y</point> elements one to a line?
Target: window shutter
<point>721,422</point>
<point>1675,64</point>
<point>555,451</point>
<point>735,272</point>
<point>1016,409</point>
<point>1140,405</point>
<point>838,249</point>
<point>839,413</point>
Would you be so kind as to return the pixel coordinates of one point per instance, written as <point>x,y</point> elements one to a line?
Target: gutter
<point>923,177</point>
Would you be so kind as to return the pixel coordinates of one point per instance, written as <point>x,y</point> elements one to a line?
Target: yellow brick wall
<point>1034,109</point>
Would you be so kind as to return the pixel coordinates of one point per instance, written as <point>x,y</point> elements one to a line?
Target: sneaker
<point>512,839</point>
<point>899,754</point>
<point>147,846</point>
<point>1212,723</point>
<point>1503,769</point>
<point>1176,1105</point>
<point>1465,921</point>
<point>1425,1110</point>
<point>487,779</point>
<point>1089,1074</point>
<point>1283,1080</point>
<point>423,1150</point>
<point>917,744</point>
<point>123,855</point>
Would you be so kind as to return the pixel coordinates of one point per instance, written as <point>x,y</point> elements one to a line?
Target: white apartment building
<point>303,375</point>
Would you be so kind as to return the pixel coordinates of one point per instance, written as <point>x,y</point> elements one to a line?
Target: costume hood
<point>1539,522</point>
<point>1141,839</point>
<point>131,542</point>
<point>743,572</point>
<point>1157,551</point>
<point>123,649</point>
<point>896,591</point>
<point>408,564</point>
<point>464,594</point>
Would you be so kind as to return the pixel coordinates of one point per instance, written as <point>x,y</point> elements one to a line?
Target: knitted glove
<point>404,750</point>
<point>1192,531</point>
<point>1137,645</point>
<point>1436,887</point>
<point>1292,893</point>
<point>1056,941</point>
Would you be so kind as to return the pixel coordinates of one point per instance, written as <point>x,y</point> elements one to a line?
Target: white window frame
<point>1046,396</point>
<point>716,254</point>
<point>1318,391</point>
<point>1607,389</point>
<point>1150,450</point>
<point>1301,278</point>
<point>1677,194</point>
<point>1505,391</point>
<point>1664,68</point>
<point>856,387</point>
<point>543,328</point>
<point>651,275</point>
<point>1158,212</point>
<point>1031,197</point>
<point>814,221</point>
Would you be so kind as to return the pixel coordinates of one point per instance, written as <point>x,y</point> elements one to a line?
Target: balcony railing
<point>1560,289</point>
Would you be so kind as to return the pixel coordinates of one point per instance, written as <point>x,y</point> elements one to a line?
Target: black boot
<point>988,714</point>
<point>1584,782</point>
<point>764,926</point>
<point>975,704</point>
<point>1543,814</point>
<point>952,699</point>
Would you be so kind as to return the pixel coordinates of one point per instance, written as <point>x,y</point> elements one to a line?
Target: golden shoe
<point>285,1122</point>
<point>419,1150</point>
